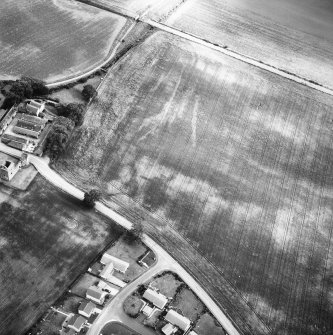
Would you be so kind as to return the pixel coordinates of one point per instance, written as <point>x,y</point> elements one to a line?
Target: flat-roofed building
<point>169,329</point>
<point>157,299</point>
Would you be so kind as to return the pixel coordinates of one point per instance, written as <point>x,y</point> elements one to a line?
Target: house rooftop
<point>94,292</point>
<point>158,299</point>
<point>87,307</point>
<point>76,322</point>
<point>118,264</point>
<point>178,320</point>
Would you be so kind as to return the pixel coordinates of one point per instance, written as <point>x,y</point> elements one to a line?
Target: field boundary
<point>225,50</point>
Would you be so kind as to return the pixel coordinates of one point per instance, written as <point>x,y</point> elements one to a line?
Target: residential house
<point>169,329</point>
<point>178,320</point>
<point>96,295</point>
<point>76,322</point>
<point>157,299</point>
<point>118,264</point>
<point>107,271</point>
<point>87,309</point>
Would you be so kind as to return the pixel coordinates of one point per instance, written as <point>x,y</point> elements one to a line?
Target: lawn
<point>188,303</point>
<point>207,326</point>
<point>233,163</point>
<point>66,37</point>
<point>293,35</point>
<point>114,328</point>
<point>47,239</point>
<point>166,284</point>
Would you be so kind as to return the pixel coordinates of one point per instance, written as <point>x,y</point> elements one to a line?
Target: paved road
<point>164,260</point>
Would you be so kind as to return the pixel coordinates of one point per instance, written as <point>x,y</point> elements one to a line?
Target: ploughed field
<point>46,240</point>
<point>54,40</point>
<point>154,9</point>
<point>235,159</point>
<point>293,35</point>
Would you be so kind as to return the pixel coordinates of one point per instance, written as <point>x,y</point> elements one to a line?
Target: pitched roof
<point>87,307</point>
<point>158,299</point>
<point>178,320</point>
<point>118,264</point>
<point>76,321</point>
<point>94,292</point>
<point>107,271</point>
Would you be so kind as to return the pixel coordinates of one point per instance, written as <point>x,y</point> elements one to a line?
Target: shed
<point>169,329</point>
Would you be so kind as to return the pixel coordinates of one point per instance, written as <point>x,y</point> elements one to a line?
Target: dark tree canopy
<point>38,86</point>
<point>91,197</point>
<point>135,233</point>
<point>73,111</point>
<point>89,92</point>
<point>58,138</point>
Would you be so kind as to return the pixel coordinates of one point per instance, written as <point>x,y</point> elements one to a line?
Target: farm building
<point>27,128</point>
<point>35,108</point>
<point>31,118</point>
<point>6,119</point>
<point>87,309</point>
<point>96,294</point>
<point>8,167</point>
<point>178,320</point>
<point>118,264</point>
<point>157,299</point>
<point>169,329</point>
<point>15,141</point>
<point>76,322</point>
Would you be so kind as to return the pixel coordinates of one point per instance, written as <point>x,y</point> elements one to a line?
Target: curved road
<point>164,260</point>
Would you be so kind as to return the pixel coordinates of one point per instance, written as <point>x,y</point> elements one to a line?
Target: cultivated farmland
<point>53,40</point>
<point>46,240</point>
<point>236,160</point>
<point>154,9</point>
<point>293,35</point>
